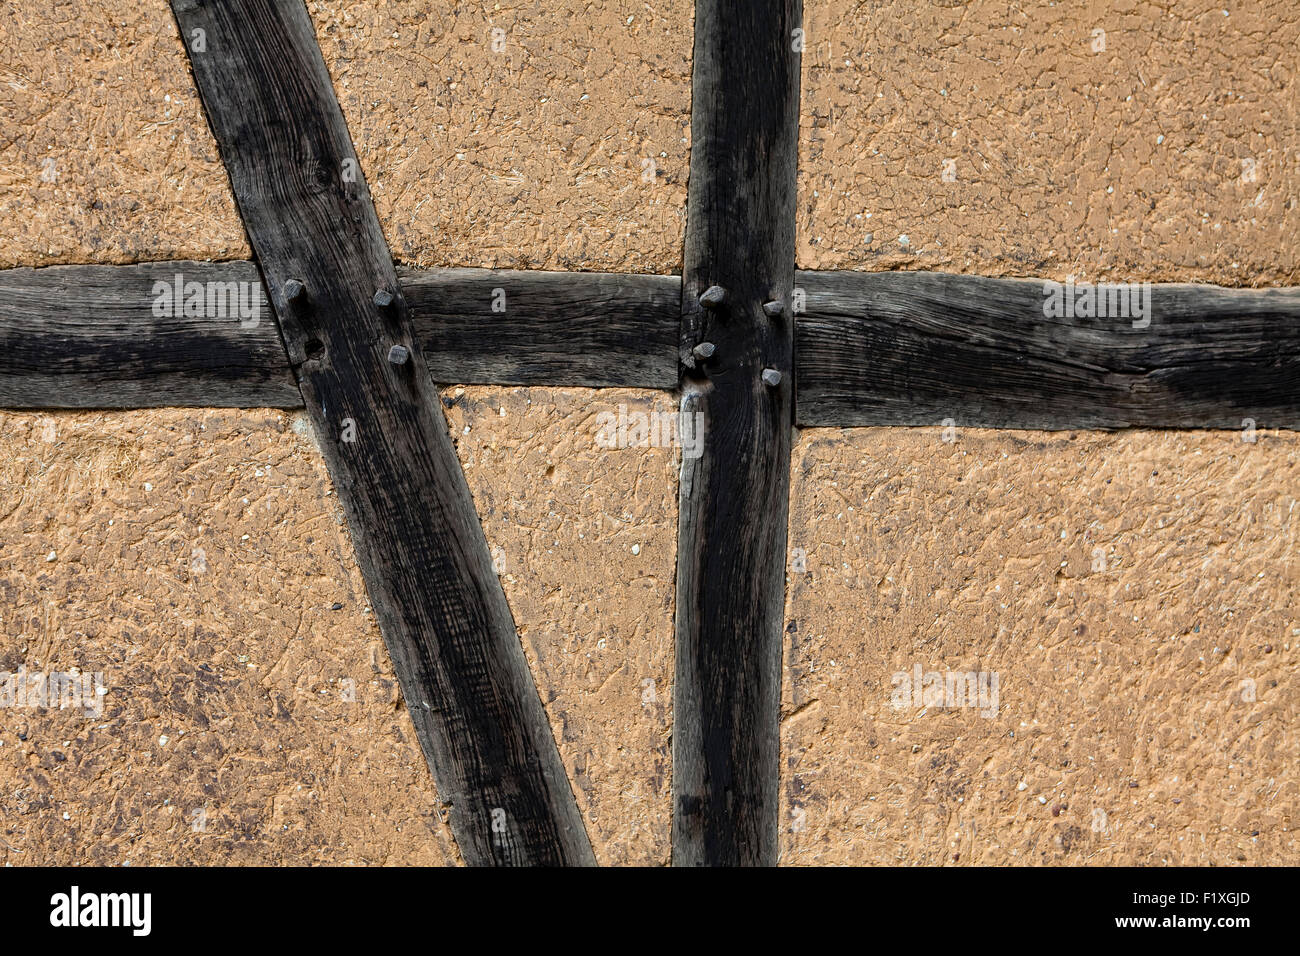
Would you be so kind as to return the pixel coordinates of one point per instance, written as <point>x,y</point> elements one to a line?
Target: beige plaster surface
<point>105,154</point>
<point>560,142</point>
<point>1135,593</point>
<point>1010,139</point>
<point>586,539</point>
<point>198,561</point>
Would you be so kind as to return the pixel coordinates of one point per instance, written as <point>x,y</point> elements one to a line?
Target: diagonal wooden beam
<point>350,342</point>
<point>737,341</point>
<point>915,348</point>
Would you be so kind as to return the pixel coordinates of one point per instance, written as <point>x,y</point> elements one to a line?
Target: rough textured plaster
<point>534,157</point>
<point>586,538</point>
<point>105,155</point>
<point>1123,587</point>
<point>199,560</point>
<point>1125,163</point>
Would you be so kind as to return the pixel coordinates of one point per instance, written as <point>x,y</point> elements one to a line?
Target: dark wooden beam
<point>506,327</point>
<point>739,257</point>
<point>915,348</point>
<point>116,336</point>
<point>886,348</point>
<point>419,544</point>
<point>88,336</point>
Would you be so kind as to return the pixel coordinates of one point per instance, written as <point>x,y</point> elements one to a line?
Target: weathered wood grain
<point>505,327</point>
<point>87,336</point>
<point>93,336</point>
<point>419,544</point>
<point>113,337</point>
<point>916,348</point>
<point>734,497</point>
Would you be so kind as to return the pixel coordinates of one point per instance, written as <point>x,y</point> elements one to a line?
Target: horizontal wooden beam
<point>884,348</point>
<point>124,337</point>
<point>120,337</point>
<point>508,327</point>
<point>917,348</point>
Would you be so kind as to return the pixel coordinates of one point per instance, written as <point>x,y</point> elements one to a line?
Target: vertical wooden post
<point>737,288</point>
